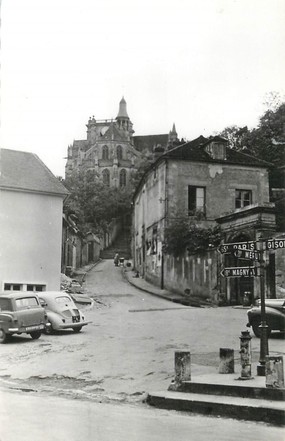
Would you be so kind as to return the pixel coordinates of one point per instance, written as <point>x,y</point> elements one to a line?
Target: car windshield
<point>63,299</point>
<point>26,302</point>
<point>5,305</point>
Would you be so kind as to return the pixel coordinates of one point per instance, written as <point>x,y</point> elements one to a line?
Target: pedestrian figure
<point>116,259</point>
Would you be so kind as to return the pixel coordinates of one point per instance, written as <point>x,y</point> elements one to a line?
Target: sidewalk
<point>142,284</point>
<point>225,395</point>
<point>213,393</point>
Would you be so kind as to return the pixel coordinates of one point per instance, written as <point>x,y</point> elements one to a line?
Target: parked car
<point>21,313</point>
<point>62,312</point>
<point>274,313</point>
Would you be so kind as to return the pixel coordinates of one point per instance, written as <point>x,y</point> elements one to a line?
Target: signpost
<point>240,271</point>
<point>248,255</point>
<point>253,251</point>
<point>274,244</point>
<point>231,247</point>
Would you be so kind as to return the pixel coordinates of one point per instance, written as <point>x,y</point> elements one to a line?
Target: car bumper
<point>26,329</point>
<point>71,325</point>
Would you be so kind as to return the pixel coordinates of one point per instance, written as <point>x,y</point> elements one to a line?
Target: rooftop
<point>24,171</point>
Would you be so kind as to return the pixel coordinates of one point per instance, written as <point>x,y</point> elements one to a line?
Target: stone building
<point>108,150</point>
<point>112,152</point>
<point>208,183</point>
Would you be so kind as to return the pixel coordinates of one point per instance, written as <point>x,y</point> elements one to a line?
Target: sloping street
<point>127,350</point>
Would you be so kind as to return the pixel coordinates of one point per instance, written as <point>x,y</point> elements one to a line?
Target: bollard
<point>182,367</point>
<point>245,355</point>
<point>274,371</point>
<point>227,362</point>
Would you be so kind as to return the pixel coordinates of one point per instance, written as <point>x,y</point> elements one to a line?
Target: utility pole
<point>263,325</point>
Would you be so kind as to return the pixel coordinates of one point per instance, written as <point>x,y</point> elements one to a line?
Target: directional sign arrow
<point>248,255</point>
<point>240,271</point>
<point>229,247</point>
<point>274,244</point>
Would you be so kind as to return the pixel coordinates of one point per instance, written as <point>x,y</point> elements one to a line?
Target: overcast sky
<point>204,64</point>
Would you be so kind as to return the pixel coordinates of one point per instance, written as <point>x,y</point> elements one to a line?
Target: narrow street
<point>126,351</point>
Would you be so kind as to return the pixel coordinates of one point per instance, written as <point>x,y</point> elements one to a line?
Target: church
<point>112,152</point>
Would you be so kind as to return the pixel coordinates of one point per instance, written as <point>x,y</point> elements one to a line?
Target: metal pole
<point>263,325</point>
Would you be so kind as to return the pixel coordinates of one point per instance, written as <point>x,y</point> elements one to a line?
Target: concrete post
<point>182,367</point>
<point>227,362</point>
<point>245,355</point>
<point>274,371</point>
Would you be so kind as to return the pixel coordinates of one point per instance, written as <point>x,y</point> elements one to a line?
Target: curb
<point>148,290</point>
<point>256,410</point>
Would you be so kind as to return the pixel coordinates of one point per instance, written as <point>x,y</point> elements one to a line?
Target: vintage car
<point>62,312</point>
<point>21,313</point>
<point>274,314</point>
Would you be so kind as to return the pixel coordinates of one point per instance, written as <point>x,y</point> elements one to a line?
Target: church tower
<point>123,121</point>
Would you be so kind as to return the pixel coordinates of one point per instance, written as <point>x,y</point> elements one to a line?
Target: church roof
<point>113,134</point>
<point>148,142</point>
<point>24,171</point>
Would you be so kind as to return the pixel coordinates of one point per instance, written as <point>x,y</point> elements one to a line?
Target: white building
<point>31,202</point>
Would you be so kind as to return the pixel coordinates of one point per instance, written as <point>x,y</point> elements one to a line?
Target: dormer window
<point>217,150</point>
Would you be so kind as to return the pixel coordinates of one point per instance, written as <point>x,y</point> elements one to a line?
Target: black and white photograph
<point>142,220</point>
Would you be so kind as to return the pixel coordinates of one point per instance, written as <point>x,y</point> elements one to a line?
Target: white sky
<point>203,64</point>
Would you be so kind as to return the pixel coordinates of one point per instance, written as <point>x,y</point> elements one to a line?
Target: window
<point>123,178</point>
<point>105,152</point>
<point>106,176</point>
<point>5,305</point>
<point>23,287</point>
<point>196,200</point>
<point>119,152</point>
<point>12,287</point>
<point>62,300</point>
<point>243,198</point>
<point>26,303</point>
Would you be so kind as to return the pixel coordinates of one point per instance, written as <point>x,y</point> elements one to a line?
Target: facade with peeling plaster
<point>206,181</point>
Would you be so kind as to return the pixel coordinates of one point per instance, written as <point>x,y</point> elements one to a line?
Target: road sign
<point>248,255</point>
<point>229,247</point>
<point>274,244</point>
<point>240,271</point>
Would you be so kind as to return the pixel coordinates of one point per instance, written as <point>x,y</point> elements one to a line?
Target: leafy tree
<point>267,140</point>
<point>236,136</point>
<point>181,233</point>
<point>93,203</point>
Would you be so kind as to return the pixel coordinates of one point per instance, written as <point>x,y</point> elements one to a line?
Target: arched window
<point>106,176</point>
<point>123,178</point>
<point>119,152</point>
<point>105,152</point>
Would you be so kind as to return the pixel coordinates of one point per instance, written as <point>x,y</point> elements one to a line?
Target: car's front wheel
<point>3,336</point>
<point>35,335</point>
<point>78,329</point>
<point>257,330</point>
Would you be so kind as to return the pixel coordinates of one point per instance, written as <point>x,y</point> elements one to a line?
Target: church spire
<point>123,110</point>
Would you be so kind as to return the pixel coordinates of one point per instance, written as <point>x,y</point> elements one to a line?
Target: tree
<point>93,203</point>
<point>267,140</point>
<point>236,136</point>
<point>182,233</point>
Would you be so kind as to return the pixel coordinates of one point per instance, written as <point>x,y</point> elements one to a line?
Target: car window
<point>26,302</point>
<point>63,299</point>
<point>5,305</point>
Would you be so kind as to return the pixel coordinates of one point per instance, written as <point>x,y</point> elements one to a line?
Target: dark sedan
<point>275,316</point>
